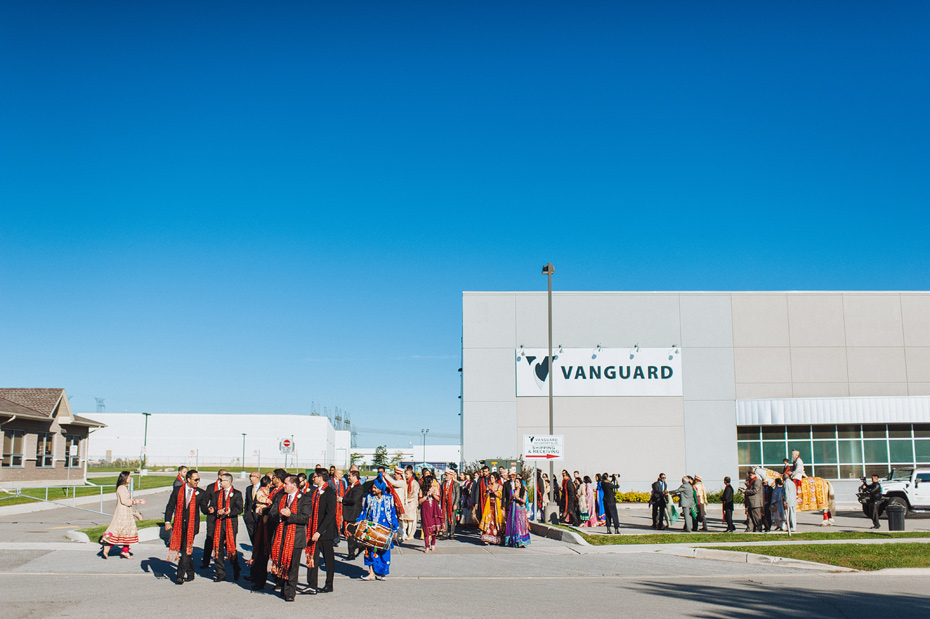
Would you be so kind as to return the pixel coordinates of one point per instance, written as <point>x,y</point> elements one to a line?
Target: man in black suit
<point>211,519</point>
<point>180,480</point>
<point>351,508</point>
<point>248,509</point>
<point>323,511</point>
<point>727,501</point>
<point>294,515</point>
<point>659,500</point>
<point>225,505</point>
<point>183,515</point>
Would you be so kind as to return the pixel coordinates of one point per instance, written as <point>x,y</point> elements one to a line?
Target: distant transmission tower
<point>313,410</point>
<point>338,424</point>
<point>101,407</point>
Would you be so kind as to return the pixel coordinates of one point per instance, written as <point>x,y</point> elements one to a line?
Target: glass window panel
<point>799,432</point>
<point>899,430</point>
<point>750,453</point>
<point>743,471</point>
<point>876,469</point>
<point>850,471</point>
<point>922,430</point>
<point>772,454</point>
<point>875,451</point>
<point>848,431</point>
<point>803,447</point>
<point>824,431</point>
<point>850,451</point>
<point>873,431</point>
<point>922,451</point>
<point>824,452</point>
<point>747,433</point>
<point>773,432</point>
<point>901,451</point>
<point>827,472</point>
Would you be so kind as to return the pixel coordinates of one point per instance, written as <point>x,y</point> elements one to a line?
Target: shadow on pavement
<point>755,601</point>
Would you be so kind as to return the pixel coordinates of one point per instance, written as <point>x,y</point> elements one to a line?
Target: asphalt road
<point>42,575</point>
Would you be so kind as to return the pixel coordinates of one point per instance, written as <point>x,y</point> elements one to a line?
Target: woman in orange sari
<point>492,521</point>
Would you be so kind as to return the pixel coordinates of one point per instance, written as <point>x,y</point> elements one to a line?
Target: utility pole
<point>548,270</point>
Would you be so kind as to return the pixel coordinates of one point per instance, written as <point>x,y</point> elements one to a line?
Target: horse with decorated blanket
<point>814,493</point>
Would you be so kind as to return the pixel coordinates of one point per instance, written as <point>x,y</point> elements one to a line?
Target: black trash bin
<point>896,513</point>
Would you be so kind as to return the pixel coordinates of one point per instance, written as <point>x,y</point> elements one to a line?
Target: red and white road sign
<point>193,453</point>
<point>544,447</point>
<point>286,442</point>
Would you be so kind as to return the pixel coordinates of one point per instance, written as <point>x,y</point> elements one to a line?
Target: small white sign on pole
<point>193,453</point>
<point>287,446</point>
<point>543,447</point>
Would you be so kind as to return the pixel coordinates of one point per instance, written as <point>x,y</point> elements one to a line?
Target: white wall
<point>216,439</point>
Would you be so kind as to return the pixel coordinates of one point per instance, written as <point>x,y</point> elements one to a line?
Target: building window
<point>846,451</point>
<point>45,455</point>
<point>72,451</point>
<point>13,449</point>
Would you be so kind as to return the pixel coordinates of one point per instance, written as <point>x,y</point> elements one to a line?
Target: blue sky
<point>231,207</point>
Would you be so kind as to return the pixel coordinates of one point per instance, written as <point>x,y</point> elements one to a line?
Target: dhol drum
<point>371,534</point>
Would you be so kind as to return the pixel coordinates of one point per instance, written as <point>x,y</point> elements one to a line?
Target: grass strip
<point>867,557</point>
<point>94,533</point>
<point>698,538</point>
<point>31,495</point>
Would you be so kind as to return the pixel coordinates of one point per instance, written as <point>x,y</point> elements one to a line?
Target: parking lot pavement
<point>462,578</point>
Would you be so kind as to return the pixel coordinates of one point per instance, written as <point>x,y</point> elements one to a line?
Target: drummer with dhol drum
<point>375,528</point>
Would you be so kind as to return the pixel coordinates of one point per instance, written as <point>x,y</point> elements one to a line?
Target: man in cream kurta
<point>410,494</point>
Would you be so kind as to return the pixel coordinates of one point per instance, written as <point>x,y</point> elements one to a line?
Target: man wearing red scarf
<point>182,519</point>
<point>226,505</point>
<point>291,510</point>
<point>321,531</point>
<point>211,520</point>
<point>181,479</point>
<point>450,494</point>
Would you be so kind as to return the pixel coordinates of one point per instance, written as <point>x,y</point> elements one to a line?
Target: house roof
<point>84,421</point>
<point>34,403</point>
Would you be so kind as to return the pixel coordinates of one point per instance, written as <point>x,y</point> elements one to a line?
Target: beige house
<point>44,443</point>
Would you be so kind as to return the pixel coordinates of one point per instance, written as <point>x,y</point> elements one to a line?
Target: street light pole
<point>145,444</point>
<point>548,270</point>
<point>424,432</point>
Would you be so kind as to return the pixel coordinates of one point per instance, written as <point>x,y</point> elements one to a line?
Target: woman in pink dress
<point>592,508</point>
<point>431,519</point>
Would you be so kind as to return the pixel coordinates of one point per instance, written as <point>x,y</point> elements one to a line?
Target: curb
<point>147,534</point>
<point>754,559</point>
<point>562,535</point>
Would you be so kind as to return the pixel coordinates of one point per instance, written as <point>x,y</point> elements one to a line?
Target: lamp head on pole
<point>548,269</point>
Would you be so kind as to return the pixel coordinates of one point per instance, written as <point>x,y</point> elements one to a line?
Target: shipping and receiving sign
<point>599,372</point>
<point>543,447</point>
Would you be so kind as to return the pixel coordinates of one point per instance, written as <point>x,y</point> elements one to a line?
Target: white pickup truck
<point>909,488</point>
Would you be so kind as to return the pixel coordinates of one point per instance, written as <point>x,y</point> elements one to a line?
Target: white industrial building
<point>219,440</point>
<point>704,383</point>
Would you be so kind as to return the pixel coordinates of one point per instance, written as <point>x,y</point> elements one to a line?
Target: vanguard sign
<point>599,372</point>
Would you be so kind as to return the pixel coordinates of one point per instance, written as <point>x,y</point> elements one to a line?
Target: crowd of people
<point>292,518</point>
<point>581,501</point>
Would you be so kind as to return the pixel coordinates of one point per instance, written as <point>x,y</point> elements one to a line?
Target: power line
<point>402,433</point>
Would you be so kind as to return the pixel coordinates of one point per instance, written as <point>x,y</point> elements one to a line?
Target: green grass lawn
<point>856,556</point>
<point>29,495</point>
<point>697,538</point>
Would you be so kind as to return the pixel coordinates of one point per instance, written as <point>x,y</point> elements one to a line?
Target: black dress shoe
<point>288,599</point>
<point>258,586</point>
<point>204,566</point>
<point>189,578</point>
<point>308,591</point>
<point>327,589</point>
<point>219,579</point>
<point>179,581</point>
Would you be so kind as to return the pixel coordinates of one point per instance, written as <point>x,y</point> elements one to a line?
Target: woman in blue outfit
<point>379,508</point>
